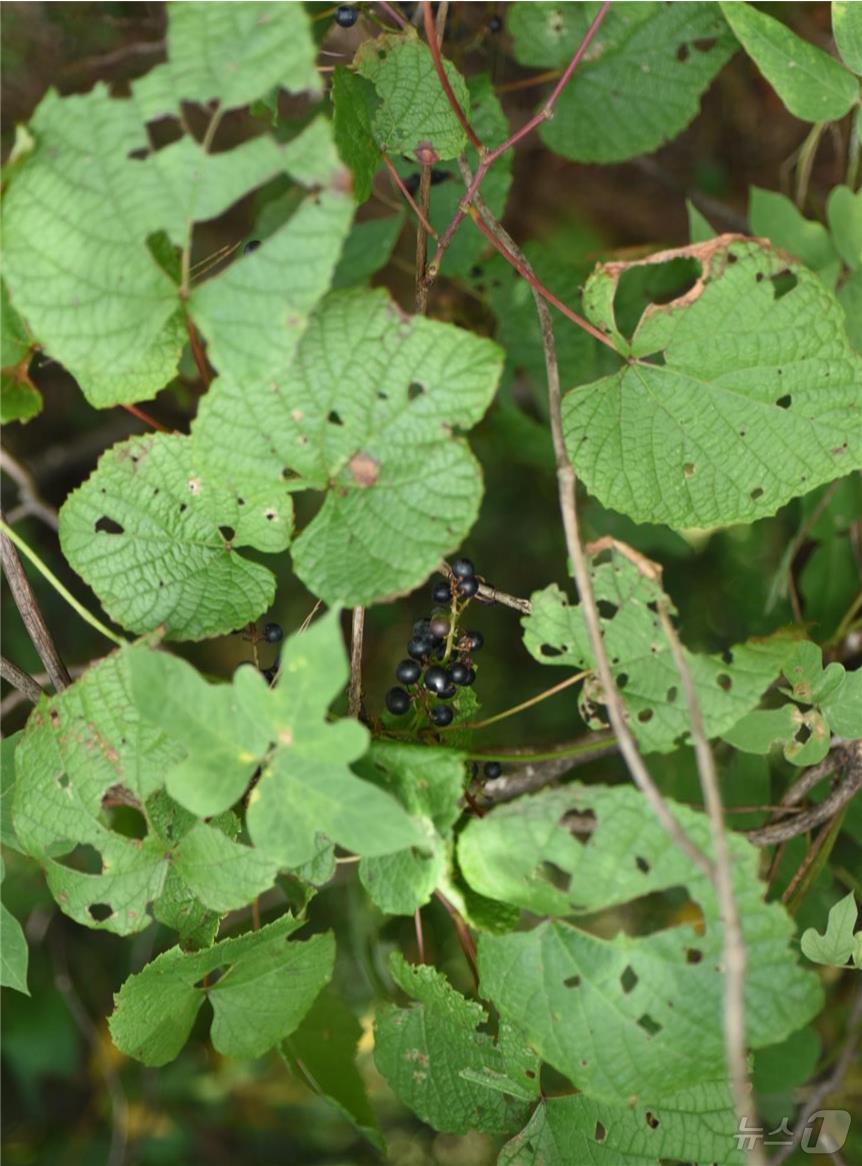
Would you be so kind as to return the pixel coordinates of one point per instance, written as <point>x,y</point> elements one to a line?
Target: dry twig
<point>32,616</point>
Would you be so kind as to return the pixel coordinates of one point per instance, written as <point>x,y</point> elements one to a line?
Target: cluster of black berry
<point>439,655</point>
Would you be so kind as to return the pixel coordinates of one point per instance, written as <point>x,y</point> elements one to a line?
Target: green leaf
<point>728,685</point>
<point>265,987</point>
<point>775,217</point>
<point>8,749</point>
<point>353,101</point>
<point>254,314</point>
<point>413,112</point>
<point>82,745</point>
<point>603,1017</point>
<point>850,298</point>
<point>787,1065</point>
<point>230,54</point>
<point>641,78</point>
<point>305,787</point>
<point>699,228</point>
<point>759,730</point>
<point>322,1052</point>
<point>718,380</point>
<point>428,782</point>
<point>20,399</point>
<point>455,1078</point>
<point>366,412</point>
<point>843,707</point>
<point>13,949</point>
<point>692,1125</point>
<point>844,215</point>
<point>80,272</point>
<point>837,943</point>
<point>367,248</point>
<point>812,85</point>
<point>847,30</point>
<point>155,538</point>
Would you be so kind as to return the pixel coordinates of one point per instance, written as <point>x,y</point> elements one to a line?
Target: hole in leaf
<point>129,822</point>
<point>622,680</point>
<point>644,716</point>
<point>704,43</point>
<point>550,650</point>
<point>334,418</point>
<point>688,469</point>
<point>803,733</point>
<point>105,525</point>
<point>724,682</point>
<point>671,694</point>
<point>783,282</point>
<point>628,979</point>
<point>600,1133</point>
<point>100,911</point>
<point>572,982</point>
<point>530,1073</point>
<point>228,533</point>
<point>607,610</point>
<point>650,1026</point>
<point>414,390</point>
<point>642,864</point>
<point>210,978</point>
<point>655,283</point>
<point>85,858</point>
<point>756,493</point>
<point>287,474</point>
<point>693,955</point>
<point>555,875</point>
<point>382,396</point>
<point>63,781</point>
<point>651,1120</point>
<point>727,656</point>
<point>784,402</point>
<point>682,53</point>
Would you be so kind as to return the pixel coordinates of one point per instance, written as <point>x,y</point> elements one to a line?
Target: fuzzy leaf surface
<point>685,434</point>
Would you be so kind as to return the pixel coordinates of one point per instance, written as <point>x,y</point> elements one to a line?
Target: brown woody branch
<point>32,616</point>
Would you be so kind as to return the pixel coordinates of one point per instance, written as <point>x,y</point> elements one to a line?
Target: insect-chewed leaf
<point>155,538</point>
<point>368,411</point>
<point>715,383</point>
<point>641,78</point>
<point>89,743</point>
<point>728,685</point>
<point>657,998</point>
<point>265,987</point>
<point>454,1077</point>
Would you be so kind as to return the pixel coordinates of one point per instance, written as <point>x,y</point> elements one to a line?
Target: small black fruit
<point>397,701</point>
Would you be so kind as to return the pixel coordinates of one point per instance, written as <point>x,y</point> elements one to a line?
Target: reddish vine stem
<point>464,937</point>
<point>392,13</point>
<point>431,37</point>
<point>146,418</point>
<point>487,158</point>
<point>396,177</point>
<point>198,352</point>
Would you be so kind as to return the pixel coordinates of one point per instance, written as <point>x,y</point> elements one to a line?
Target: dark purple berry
<point>397,701</point>
<point>422,627</point>
<point>473,641</point>
<point>346,16</point>
<point>462,568</point>
<point>467,586</point>
<point>493,769</point>
<point>273,633</point>
<point>408,672</point>
<point>448,692</point>
<point>462,675</point>
<point>440,627</point>
<point>251,245</point>
<point>420,647</point>
<point>441,593</point>
<point>442,715</point>
<point>437,679</point>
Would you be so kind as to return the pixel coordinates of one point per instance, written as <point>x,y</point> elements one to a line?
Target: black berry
<point>440,628</point>
<point>493,769</point>
<point>495,24</point>
<point>251,245</point>
<point>269,674</point>
<point>397,701</point>
<point>462,675</point>
<point>463,568</point>
<point>438,176</point>
<point>467,586</point>
<point>422,627</point>
<point>441,593</point>
<point>437,679</point>
<point>420,647</point>
<point>473,641</point>
<point>408,672</point>
<point>273,633</point>
<point>346,16</point>
<point>441,715</point>
<point>448,692</point>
